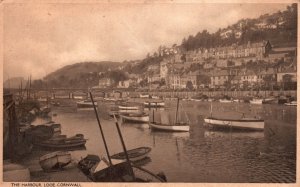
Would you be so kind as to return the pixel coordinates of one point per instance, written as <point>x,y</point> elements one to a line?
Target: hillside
<point>280,27</point>
<point>79,75</point>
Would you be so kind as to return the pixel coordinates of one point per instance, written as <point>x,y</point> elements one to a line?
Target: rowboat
<point>256,101</point>
<point>225,101</point>
<point>55,160</point>
<point>243,123</point>
<point>269,100</point>
<point>154,104</point>
<point>292,103</point>
<point>120,171</point>
<point>133,154</point>
<point>144,96</point>
<point>70,142</point>
<point>178,127</point>
<point>130,106</point>
<point>135,117</point>
<point>85,104</point>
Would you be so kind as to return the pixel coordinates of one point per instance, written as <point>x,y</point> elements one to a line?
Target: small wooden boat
<point>292,103</point>
<point>256,101</point>
<point>197,100</point>
<point>243,123</point>
<point>120,171</point>
<point>135,117</point>
<point>154,104</point>
<point>144,96</point>
<point>225,101</point>
<point>88,164</point>
<point>133,154</point>
<point>130,106</point>
<point>55,160</point>
<point>53,103</point>
<point>178,127</point>
<point>70,142</point>
<point>269,100</point>
<point>85,104</point>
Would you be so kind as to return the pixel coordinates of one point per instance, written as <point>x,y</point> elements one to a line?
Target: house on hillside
<point>154,78</point>
<point>287,72</point>
<point>106,82</point>
<point>163,71</point>
<point>218,78</point>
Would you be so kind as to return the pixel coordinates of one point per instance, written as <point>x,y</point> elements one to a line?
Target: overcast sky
<point>40,38</point>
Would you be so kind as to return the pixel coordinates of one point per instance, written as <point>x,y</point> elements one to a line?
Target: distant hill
<point>74,70</point>
<point>15,82</point>
<point>278,28</point>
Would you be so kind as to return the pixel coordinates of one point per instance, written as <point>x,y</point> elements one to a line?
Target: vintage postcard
<point>129,92</point>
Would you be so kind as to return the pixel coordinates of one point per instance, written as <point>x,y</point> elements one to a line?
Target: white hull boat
<point>225,101</point>
<point>129,107</point>
<point>154,104</point>
<point>293,103</point>
<point>135,117</point>
<point>55,160</point>
<point>85,104</point>
<point>144,96</point>
<point>256,101</point>
<point>244,123</point>
<point>175,128</point>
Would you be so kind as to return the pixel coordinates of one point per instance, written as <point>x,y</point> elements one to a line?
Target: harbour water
<point>200,155</point>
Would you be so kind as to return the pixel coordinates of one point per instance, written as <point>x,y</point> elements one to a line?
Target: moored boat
<point>55,160</point>
<point>256,101</point>
<point>133,154</point>
<point>144,95</point>
<point>242,124</point>
<point>130,106</point>
<point>154,104</point>
<point>120,171</point>
<point>75,141</point>
<point>85,104</point>
<point>135,117</point>
<point>292,103</point>
<point>225,101</point>
<point>178,127</point>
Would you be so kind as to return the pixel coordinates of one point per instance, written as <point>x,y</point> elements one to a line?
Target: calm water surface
<point>200,155</point>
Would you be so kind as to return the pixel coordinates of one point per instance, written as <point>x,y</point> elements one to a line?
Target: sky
<point>41,38</point>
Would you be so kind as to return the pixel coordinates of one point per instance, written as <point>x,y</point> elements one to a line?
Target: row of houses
<point>176,78</point>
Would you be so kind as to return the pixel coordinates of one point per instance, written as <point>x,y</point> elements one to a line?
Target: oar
<point>103,138</point>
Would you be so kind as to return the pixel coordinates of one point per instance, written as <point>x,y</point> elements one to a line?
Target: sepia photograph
<point>99,92</point>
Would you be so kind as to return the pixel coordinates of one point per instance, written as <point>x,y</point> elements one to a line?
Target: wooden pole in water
<point>103,138</point>
<point>124,147</point>
<point>176,110</point>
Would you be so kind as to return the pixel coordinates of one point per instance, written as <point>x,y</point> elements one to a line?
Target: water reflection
<point>219,134</point>
<point>200,155</point>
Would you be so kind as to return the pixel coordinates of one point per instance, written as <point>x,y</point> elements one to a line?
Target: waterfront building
<point>105,82</point>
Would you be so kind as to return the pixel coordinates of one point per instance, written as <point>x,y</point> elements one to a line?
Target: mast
<point>211,109</point>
